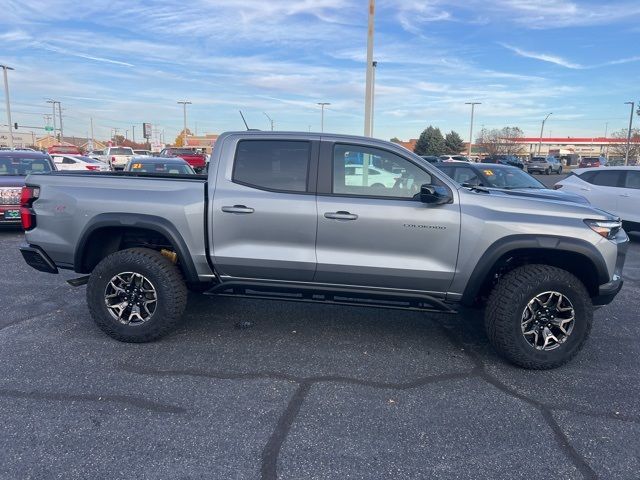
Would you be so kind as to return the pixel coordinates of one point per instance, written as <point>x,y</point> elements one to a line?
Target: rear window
<point>161,167</point>
<point>120,151</point>
<point>273,164</point>
<point>22,166</point>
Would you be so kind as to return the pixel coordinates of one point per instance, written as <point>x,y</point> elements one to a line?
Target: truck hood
<point>544,193</point>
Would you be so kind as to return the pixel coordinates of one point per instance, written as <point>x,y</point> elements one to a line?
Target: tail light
<point>27,215</point>
<point>113,159</point>
<point>92,167</point>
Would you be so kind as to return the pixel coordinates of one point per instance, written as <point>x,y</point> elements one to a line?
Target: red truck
<point>65,149</point>
<point>197,160</point>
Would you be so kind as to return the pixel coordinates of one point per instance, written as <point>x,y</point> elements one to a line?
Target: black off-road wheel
<point>136,295</point>
<point>538,316</point>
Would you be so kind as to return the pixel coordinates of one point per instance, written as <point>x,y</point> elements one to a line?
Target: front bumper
<point>608,291</point>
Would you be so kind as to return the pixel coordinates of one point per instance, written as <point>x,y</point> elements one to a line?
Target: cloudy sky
<point>128,62</point>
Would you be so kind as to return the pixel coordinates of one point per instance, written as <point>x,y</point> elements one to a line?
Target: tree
<point>453,143</point>
<point>431,142</point>
<point>619,149</point>
<point>180,138</point>
<point>395,140</point>
<point>502,141</point>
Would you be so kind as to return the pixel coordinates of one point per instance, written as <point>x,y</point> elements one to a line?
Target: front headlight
<point>605,228</point>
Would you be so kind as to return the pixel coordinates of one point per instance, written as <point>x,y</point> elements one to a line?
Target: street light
<point>6,98</point>
<point>368,96</point>
<point>626,155</point>
<point>184,104</point>
<point>270,120</point>
<point>542,130</point>
<point>473,106</point>
<point>373,94</point>
<point>322,105</point>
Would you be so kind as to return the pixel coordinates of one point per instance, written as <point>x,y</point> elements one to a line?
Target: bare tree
<point>502,141</point>
<point>619,149</point>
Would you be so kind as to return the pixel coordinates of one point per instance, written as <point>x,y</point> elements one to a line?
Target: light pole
<point>626,155</point>
<point>322,105</point>
<point>53,104</point>
<point>542,130</point>
<point>373,94</point>
<point>6,98</point>
<point>133,133</point>
<point>473,106</point>
<point>270,120</point>
<point>368,96</point>
<point>184,104</point>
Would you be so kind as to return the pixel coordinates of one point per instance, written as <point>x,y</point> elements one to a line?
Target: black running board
<point>336,295</point>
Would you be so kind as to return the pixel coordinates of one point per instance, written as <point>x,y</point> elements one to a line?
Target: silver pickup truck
<point>327,219</point>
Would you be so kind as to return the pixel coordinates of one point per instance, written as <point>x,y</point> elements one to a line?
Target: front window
<point>23,166</point>
<point>508,178</point>
<point>365,171</point>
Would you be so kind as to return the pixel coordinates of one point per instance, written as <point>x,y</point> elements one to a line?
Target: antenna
<point>245,122</point>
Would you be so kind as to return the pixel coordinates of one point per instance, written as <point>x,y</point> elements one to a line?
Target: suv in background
<point>504,160</point>
<point>588,162</point>
<point>546,165</point>
<point>613,189</point>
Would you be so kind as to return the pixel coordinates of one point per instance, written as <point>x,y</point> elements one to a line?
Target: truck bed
<point>72,204</point>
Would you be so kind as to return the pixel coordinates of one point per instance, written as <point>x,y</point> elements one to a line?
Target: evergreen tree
<point>431,142</point>
<point>453,143</point>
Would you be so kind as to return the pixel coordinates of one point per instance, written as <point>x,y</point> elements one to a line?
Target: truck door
<point>264,213</point>
<point>379,235</point>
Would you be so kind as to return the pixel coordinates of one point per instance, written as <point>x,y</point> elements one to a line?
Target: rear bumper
<point>36,258</point>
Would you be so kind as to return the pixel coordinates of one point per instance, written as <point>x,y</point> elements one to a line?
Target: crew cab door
<point>264,217</point>
<point>382,236</point>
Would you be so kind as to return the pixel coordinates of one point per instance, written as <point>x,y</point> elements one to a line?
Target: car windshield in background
<point>509,178</point>
<point>23,166</point>
<point>158,167</point>
<point>121,151</point>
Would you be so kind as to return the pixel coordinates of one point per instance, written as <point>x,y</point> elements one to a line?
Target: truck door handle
<point>626,195</point>
<point>341,215</point>
<point>237,209</point>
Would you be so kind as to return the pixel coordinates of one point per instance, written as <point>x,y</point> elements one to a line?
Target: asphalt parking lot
<point>308,392</point>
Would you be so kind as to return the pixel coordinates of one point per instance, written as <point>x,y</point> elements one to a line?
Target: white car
<point>376,177</point>
<point>613,189</point>
<point>79,163</point>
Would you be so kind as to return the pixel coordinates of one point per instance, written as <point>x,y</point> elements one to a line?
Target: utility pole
<point>133,133</point>
<point>6,99</point>
<point>53,104</point>
<point>473,106</point>
<point>61,130</point>
<point>369,76</point>
<point>184,104</point>
<point>626,155</point>
<point>322,105</point>
<point>270,120</point>
<point>542,130</point>
<point>373,94</point>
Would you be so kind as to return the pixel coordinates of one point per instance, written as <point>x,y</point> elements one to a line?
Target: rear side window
<point>607,178</point>
<point>273,165</point>
<point>632,180</point>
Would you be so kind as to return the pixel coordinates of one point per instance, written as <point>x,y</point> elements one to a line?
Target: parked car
<point>504,160</point>
<point>117,157</point>
<point>79,162</point>
<point>511,180</point>
<point>176,166</point>
<point>376,177</point>
<point>143,152</point>
<point>64,149</point>
<point>430,158</point>
<point>97,154</point>
<point>277,219</point>
<point>453,158</point>
<point>14,167</point>
<point>588,162</point>
<point>196,159</point>
<point>614,189</point>
<point>546,165</point>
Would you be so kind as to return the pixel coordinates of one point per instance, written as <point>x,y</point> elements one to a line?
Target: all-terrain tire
<point>167,280</point>
<point>508,301</point>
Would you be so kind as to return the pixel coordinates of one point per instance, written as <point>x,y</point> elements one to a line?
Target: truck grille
<point>10,196</point>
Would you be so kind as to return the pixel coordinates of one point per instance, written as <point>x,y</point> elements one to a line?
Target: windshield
<point>161,167</point>
<point>509,178</point>
<point>120,151</point>
<point>23,166</point>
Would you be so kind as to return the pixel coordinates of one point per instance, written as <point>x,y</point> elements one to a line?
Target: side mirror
<point>435,194</point>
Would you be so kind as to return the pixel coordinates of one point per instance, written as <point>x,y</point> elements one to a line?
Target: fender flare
<point>512,243</point>
<point>134,220</point>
